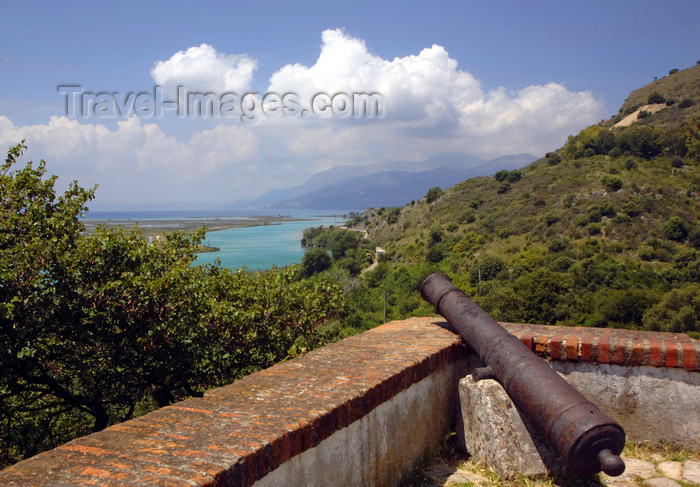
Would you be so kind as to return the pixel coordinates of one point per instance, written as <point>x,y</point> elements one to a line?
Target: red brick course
<point>609,346</point>
<point>236,434</point>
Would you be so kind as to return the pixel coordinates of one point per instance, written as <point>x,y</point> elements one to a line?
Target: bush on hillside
<point>676,229</point>
<point>433,194</point>
<point>656,97</point>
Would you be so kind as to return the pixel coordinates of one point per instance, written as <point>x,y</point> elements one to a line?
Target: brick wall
<point>237,434</point>
<point>609,346</point>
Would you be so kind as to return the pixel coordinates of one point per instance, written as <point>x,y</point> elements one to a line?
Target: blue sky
<point>486,78</point>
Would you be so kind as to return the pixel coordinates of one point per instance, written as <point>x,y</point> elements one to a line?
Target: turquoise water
<point>260,248</point>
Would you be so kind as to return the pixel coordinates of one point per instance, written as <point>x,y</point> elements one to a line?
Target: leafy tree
<point>504,187</point>
<point>676,229</point>
<point>612,183</point>
<point>656,97</point>
<point>501,175</point>
<point>514,176</point>
<point>345,241</point>
<point>94,330</point>
<point>621,308</point>
<point>678,311</point>
<point>590,141</point>
<point>640,141</point>
<point>315,261</point>
<point>487,268</point>
<point>694,236</point>
<point>436,253</point>
<point>437,234</point>
<point>433,194</point>
<point>544,296</point>
<point>630,163</point>
<point>553,159</point>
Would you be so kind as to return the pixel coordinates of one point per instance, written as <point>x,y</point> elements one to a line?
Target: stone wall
<point>363,410</point>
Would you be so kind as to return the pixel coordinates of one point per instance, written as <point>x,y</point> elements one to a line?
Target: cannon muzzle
<point>586,439</point>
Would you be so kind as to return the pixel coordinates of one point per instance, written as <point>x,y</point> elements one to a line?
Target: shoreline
<point>152,227</point>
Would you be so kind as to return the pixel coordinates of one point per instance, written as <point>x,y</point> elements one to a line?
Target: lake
<point>256,248</point>
<point>261,247</point>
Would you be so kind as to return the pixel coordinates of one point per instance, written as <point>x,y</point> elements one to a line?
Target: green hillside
<point>676,89</point>
<point>602,232</point>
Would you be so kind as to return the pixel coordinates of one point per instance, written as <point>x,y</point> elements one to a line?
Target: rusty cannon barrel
<point>586,439</point>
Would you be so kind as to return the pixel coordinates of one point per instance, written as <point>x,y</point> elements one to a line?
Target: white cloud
<point>138,156</point>
<point>204,152</point>
<point>428,98</point>
<point>203,68</point>
<point>430,106</point>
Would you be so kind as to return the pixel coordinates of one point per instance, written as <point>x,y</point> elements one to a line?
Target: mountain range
<point>382,184</point>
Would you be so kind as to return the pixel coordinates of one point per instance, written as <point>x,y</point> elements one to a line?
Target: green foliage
<point>514,176</point>
<point>642,141</point>
<point>348,248</point>
<point>553,158</point>
<point>504,187</point>
<point>436,253</point>
<point>393,215</point>
<point>677,162</point>
<point>678,311</point>
<point>551,218</point>
<point>315,261</point>
<point>476,202</point>
<point>656,97</point>
<point>487,268</point>
<point>433,194</point>
<point>590,141</point>
<point>694,236</point>
<point>686,103</point>
<point>612,183</point>
<point>630,163</point>
<point>97,329</point>
<point>578,241</point>
<point>501,175</point>
<point>676,229</point>
<point>558,245</point>
<point>615,152</point>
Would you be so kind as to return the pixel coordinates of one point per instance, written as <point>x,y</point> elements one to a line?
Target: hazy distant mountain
<point>382,184</point>
<point>398,187</point>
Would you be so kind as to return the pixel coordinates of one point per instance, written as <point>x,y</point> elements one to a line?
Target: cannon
<point>587,440</point>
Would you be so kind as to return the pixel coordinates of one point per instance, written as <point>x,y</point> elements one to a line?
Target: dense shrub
<point>656,97</point>
<point>501,175</point>
<point>678,311</point>
<point>612,183</point>
<point>514,176</point>
<point>553,159</point>
<point>676,229</point>
<point>487,268</point>
<point>504,187</point>
<point>433,194</point>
